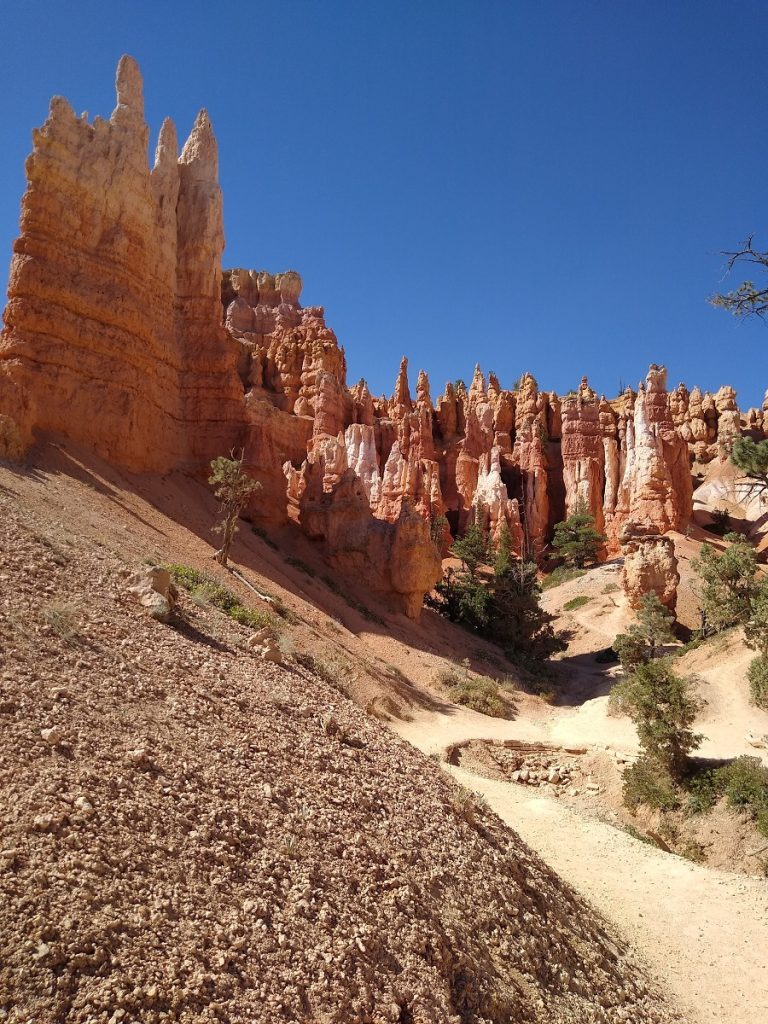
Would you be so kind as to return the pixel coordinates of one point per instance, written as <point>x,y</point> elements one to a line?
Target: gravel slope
<point>204,836</point>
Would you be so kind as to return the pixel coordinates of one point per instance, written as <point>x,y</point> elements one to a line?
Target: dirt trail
<point>702,932</point>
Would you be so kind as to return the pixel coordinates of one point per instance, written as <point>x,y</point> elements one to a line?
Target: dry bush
<point>63,618</point>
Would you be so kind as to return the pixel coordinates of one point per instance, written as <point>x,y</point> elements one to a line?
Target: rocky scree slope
<point>189,833</point>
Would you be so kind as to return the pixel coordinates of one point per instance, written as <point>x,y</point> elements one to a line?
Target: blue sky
<point>540,186</point>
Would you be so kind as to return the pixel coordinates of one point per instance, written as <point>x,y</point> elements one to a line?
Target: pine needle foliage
<point>576,538</point>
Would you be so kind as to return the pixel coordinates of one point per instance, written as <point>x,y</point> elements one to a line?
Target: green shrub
<point>647,783</point>
<point>563,574</point>
<point>703,791</point>
<point>251,617</point>
<point>186,576</point>
<point>757,674</point>
<point>576,602</point>
<point>640,836</point>
<point>476,692</point>
<point>204,590</point>
<point>693,850</point>
<point>213,593</point>
<point>745,785</point>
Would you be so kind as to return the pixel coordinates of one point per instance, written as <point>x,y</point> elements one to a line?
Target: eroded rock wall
<point>113,332</point>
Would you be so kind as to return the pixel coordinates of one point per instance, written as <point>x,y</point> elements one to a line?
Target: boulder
<point>155,591</point>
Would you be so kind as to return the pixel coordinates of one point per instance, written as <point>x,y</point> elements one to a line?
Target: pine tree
<point>576,538</point>
<point>233,487</point>
<point>751,457</point>
<point>472,548</point>
<point>729,583</point>
<point>660,704</point>
<point>655,623</point>
<point>503,556</point>
<point>518,623</point>
<point>632,649</point>
<point>641,641</point>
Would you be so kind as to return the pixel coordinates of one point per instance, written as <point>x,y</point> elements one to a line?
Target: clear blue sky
<point>540,186</point>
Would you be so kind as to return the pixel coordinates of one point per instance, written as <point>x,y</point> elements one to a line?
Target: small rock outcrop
<point>650,566</point>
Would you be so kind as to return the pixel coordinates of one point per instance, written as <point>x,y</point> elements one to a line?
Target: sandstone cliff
<point>113,332</point>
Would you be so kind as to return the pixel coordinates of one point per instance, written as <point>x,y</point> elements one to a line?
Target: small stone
<point>83,804</point>
<point>52,736</point>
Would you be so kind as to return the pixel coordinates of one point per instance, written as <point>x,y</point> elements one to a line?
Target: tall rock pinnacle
<point>200,154</point>
<point>129,86</point>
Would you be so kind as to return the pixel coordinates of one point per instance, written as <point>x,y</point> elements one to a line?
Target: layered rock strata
<point>650,566</point>
<point>113,332</point>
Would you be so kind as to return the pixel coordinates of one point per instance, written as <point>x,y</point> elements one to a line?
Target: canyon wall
<point>123,333</point>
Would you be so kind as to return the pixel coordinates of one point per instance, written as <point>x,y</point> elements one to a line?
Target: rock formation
<point>655,489</point>
<point>583,453</point>
<point>123,333</point>
<point>113,333</point>
<point>650,566</point>
<point>154,590</point>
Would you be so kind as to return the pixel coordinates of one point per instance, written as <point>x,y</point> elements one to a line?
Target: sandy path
<point>702,932</point>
